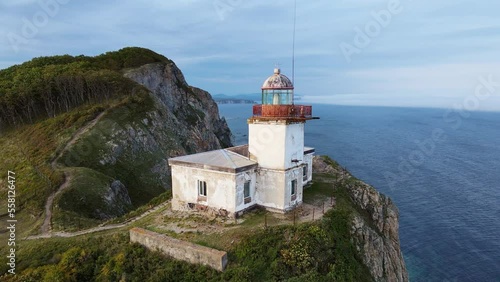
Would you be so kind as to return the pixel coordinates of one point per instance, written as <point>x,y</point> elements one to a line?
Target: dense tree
<point>47,86</point>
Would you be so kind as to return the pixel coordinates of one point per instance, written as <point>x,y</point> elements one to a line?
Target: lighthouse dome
<point>277,81</point>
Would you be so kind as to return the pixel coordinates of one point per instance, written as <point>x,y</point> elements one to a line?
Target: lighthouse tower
<point>276,143</point>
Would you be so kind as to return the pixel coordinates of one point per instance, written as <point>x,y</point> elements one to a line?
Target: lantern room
<point>278,100</point>
<point>277,89</point>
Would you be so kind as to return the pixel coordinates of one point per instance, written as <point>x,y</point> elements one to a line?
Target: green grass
<point>165,196</point>
<point>28,151</point>
<point>234,233</point>
<point>318,191</point>
<point>318,251</point>
<point>70,221</point>
<point>133,166</point>
<point>77,207</point>
<point>98,257</point>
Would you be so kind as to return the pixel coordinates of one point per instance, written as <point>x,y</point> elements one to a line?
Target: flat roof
<point>232,159</point>
<point>218,160</point>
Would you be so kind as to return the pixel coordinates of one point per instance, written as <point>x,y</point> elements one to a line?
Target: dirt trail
<point>47,226</point>
<point>99,228</point>
<point>75,137</point>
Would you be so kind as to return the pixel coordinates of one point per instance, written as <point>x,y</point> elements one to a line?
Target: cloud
<point>430,48</point>
<point>16,3</point>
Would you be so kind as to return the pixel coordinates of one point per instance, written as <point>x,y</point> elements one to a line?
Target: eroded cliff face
<point>131,143</point>
<point>374,226</point>
<point>193,110</point>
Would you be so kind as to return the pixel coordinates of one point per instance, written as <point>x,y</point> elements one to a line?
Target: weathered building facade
<point>271,171</point>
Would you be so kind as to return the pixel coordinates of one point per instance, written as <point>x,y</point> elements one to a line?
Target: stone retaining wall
<point>179,249</point>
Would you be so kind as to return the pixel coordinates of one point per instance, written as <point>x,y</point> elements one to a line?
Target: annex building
<point>271,171</point>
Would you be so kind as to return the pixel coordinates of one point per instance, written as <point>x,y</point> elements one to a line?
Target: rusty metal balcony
<point>283,111</point>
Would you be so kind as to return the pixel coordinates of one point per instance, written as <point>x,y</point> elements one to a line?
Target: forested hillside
<point>47,86</point>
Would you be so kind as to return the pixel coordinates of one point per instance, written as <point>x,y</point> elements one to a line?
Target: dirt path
<point>98,228</point>
<point>47,226</point>
<point>305,214</point>
<point>75,137</point>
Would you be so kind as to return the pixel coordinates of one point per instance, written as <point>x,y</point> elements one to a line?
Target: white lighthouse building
<point>271,171</point>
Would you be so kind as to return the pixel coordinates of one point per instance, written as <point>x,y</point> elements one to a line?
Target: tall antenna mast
<point>293,46</point>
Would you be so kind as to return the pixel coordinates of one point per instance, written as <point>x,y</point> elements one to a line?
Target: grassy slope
<point>318,251</point>
<point>132,168</point>
<point>29,152</point>
<point>29,149</point>
<point>76,207</point>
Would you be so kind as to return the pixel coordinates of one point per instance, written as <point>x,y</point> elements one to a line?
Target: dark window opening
<point>202,188</point>
<point>246,192</point>
<point>304,173</point>
<point>294,190</point>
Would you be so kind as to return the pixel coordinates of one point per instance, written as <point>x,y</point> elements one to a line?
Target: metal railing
<point>282,111</point>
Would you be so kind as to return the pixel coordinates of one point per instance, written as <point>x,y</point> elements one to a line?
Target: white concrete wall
<point>294,145</point>
<point>221,191</point>
<point>270,189</point>
<point>292,174</point>
<point>266,144</point>
<point>275,144</point>
<point>274,188</point>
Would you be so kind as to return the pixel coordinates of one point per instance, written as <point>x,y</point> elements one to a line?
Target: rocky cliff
<point>374,226</point>
<point>195,114</point>
<point>132,141</point>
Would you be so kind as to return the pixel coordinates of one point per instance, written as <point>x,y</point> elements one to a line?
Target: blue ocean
<point>442,169</point>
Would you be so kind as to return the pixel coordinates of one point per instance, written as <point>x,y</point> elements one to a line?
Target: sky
<point>423,53</point>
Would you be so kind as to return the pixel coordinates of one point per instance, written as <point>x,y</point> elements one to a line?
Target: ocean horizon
<point>439,166</point>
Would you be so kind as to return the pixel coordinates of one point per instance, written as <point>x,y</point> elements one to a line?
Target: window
<point>246,192</point>
<point>304,173</point>
<point>202,188</point>
<point>294,189</point>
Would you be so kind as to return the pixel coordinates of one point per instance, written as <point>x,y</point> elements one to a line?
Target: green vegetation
<point>317,251</point>
<point>318,191</point>
<point>100,258</point>
<point>134,167</point>
<point>47,86</point>
<point>84,203</point>
<point>43,103</point>
<point>29,150</point>
<point>163,197</point>
<point>320,251</point>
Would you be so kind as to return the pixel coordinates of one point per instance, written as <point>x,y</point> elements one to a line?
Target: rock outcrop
<point>132,142</point>
<point>117,195</point>
<point>374,227</point>
<point>194,111</point>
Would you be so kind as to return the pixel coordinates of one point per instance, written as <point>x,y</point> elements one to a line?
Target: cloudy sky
<point>366,52</point>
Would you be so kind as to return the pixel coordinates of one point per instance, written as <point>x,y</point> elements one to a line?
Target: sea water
<point>441,168</point>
